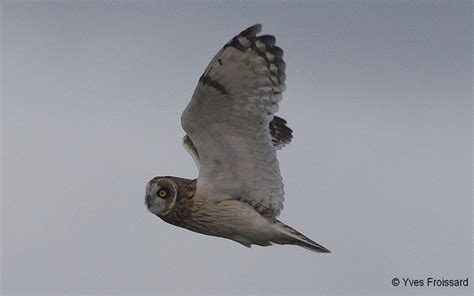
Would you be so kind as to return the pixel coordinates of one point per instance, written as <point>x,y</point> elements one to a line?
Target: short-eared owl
<point>233,136</point>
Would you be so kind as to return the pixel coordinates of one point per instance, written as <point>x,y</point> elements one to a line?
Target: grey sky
<point>379,98</point>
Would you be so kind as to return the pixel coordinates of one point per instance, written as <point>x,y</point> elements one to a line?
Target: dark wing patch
<point>213,83</point>
<point>281,133</point>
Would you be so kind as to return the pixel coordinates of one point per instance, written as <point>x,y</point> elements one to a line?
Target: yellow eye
<point>162,193</point>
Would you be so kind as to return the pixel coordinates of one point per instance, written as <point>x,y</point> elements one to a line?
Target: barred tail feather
<point>291,236</point>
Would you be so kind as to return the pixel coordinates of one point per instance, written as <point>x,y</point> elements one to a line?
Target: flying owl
<point>233,135</point>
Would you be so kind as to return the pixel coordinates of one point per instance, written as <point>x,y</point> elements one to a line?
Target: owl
<point>233,136</point>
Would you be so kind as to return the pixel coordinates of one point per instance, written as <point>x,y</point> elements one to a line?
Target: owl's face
<point>161,194</point>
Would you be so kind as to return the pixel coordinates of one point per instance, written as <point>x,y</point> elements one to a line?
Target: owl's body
<point>231,219</point>
<point>233,136</point>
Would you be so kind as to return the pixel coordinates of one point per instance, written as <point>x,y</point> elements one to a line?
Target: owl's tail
<point>290,236</point>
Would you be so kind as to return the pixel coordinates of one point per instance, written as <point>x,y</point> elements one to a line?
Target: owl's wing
<point>280,132</point>
<point>231,124</point>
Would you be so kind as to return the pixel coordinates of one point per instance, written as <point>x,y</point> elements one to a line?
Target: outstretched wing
<point>280,132</point>
<point>230,122</point>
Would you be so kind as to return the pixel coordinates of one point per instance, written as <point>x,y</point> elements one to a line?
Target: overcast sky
<point>379,171</point>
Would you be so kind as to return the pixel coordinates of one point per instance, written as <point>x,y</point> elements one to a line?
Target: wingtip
<point>294,237</point>
<point>315,247</point>
<point>252,30</point>
<point>323,250</point>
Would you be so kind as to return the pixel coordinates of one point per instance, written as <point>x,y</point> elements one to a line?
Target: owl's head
<point>161,194</point>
